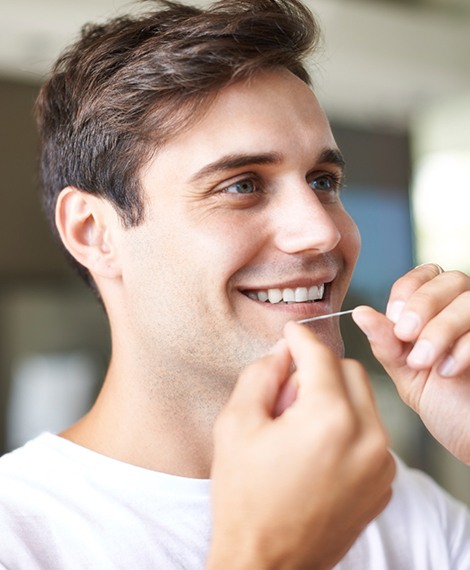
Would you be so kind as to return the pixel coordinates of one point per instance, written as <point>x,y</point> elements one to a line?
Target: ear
<point>85,224</point>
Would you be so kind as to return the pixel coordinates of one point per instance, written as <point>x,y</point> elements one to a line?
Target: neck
<point>159,424</point>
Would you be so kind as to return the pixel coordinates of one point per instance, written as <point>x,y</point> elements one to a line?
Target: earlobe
<point>85,224</point>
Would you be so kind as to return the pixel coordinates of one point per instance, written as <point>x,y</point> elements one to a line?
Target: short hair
<point>128,86</point>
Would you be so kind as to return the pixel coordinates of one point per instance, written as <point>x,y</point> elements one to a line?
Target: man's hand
<point>424,345</point>
<point>295,490</point>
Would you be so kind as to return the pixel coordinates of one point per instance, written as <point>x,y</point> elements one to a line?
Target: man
<point>194,181</point>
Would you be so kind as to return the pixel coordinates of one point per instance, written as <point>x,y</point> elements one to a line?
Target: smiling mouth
<point>288,295</point>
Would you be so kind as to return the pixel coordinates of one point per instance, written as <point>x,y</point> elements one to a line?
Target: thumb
<point>390,351</point>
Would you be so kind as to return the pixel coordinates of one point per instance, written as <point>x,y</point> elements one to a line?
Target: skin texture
<point>174,287</point>
<point>281,233</point>
<point>183,327</point>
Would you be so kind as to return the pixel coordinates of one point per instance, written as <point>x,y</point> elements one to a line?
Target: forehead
<point>272,112</point>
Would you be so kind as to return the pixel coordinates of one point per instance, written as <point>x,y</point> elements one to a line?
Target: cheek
<point>226,246</point>
<point>351,240</point>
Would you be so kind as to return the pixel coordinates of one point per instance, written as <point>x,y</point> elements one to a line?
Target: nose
<point>302,222</point>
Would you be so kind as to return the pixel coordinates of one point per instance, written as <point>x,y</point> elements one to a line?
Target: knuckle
<point>449,323</point>
<point>342,425</point>
<point>407,284</point>
<point>420,298</point>
<point>336,425</point>
<point>382,460</point>
<point>466,295</point>
<point>443,330</point>
<point>379,445</point>
<point>459,278</point>
<point>375,446</point>
<point>401,288</point>
<point>462,347</point>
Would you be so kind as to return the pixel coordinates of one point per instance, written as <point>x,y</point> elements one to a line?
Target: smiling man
<point>194,181</point>
<point>242,206</point>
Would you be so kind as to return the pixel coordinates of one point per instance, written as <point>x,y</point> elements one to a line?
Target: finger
<point>258,387</point>
<point>441,333</point>
<point>431,266</point>
<point>430,299</point>
<point>390,351</point>
<point>378,329</point>
<point>412,312</point>
<point>406,285</point>
<point>287,396</point>
<point>318,368</point>
<point>360,390</point>
<point>458,360</point>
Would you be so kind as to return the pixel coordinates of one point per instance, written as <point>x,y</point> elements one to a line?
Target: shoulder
<point>26,460</point>
<point>41,472</point>
<point>24,470</point>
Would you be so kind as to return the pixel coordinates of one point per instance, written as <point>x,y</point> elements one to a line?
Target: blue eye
<point>241,187</point>
<point>324,184</point>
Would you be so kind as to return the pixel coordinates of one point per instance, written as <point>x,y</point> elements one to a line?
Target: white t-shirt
<point>64,507</point>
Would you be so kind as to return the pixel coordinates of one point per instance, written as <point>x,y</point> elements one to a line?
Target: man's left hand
<point>423,343</point>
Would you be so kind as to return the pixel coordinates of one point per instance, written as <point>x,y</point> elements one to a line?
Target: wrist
<point>238,555</point>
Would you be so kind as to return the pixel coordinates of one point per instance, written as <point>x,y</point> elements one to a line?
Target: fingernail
<point>422,353</point>
<point>448,366</point>
<point>394,310</point>
<point>408,324</point>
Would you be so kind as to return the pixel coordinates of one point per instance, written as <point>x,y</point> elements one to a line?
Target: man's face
<point>244,230</point>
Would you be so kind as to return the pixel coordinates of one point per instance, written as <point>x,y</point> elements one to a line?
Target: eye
<point>325,183</point>
<point>241,187</point>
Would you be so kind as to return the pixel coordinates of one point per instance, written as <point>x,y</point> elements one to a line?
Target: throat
<point>163,434</point>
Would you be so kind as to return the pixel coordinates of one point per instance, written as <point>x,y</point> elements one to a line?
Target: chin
<point>338,348</point>
<point>333,340</point>
<point>330,334</point>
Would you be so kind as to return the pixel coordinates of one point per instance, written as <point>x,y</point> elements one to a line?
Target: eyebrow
<point>332,156</point>
<point>232,161</point>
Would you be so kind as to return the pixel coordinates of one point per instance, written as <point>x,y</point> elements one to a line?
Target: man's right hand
<point>295,490</point>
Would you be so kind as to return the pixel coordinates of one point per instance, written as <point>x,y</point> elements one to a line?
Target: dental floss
<point>325,316</point>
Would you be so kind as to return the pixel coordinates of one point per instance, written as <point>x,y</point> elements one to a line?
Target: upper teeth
<point>288,295</point>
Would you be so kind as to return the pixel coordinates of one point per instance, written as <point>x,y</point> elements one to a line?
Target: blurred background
<point>394,78</point>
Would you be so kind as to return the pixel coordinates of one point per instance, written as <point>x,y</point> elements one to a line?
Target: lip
<point>291,284</point>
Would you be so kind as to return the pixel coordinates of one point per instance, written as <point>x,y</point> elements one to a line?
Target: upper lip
<point>292,283</point>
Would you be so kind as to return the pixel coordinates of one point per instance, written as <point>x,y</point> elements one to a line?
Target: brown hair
<point>127,86</point>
